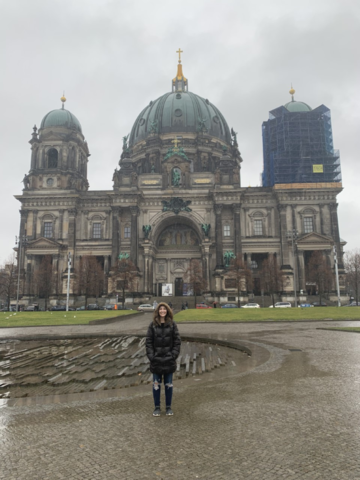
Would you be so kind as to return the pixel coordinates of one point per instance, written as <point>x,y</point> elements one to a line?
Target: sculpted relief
<point>178,235</point>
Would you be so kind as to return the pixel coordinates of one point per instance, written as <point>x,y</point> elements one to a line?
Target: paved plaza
<point>291,410</point>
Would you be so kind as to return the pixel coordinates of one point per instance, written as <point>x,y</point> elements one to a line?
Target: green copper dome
<point>180,112</point>
<point>294,106</point>
<point>61,118</point>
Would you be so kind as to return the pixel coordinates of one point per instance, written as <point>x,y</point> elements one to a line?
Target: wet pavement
<point>291,410</point>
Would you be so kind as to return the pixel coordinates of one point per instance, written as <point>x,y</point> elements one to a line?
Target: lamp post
<point>293,235</point>
<point>337,277</point>
<point>21,240</point>
<point>68,282</point>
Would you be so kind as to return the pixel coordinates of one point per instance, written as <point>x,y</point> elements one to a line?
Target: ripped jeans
<point>157,380</point>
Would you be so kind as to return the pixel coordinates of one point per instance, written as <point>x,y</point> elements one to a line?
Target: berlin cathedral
<point>177,196</point>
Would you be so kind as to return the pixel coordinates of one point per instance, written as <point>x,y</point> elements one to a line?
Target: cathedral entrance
<point>179,287</point>
<point>177,244</point>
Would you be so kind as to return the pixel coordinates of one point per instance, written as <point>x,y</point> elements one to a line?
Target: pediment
<point>43,242</point>
<point>314,237</point>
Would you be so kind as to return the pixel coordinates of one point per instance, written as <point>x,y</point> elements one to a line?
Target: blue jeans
<point>157,380</point>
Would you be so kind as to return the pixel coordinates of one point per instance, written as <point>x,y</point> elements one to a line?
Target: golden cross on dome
<point>179,52</point>
<point>175,142</point>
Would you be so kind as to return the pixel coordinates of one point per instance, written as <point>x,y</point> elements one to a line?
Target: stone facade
<point>198,174</point>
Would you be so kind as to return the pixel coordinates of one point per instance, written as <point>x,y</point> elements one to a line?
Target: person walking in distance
<point>163,344</point>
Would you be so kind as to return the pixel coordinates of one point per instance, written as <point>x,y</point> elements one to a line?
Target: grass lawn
<point>345,329</point>
<point>268,314</point>
<point>27,319</point>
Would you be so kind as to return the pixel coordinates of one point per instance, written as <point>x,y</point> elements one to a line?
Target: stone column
<point>285,259</point>
<point>115,246</point>
<point>28,275</point>
<point>106,273</point>
<point>61,223</point>
<point>248,260</point>
<point>321,213</point>
<point>336,233</point>
<point>85,226</point>
<point>301,270</point>
<point>134,234</point>
<point>34,225</point>
<point>57,273</point>
<point>23,222</point>
<point>219,237</point>
<point>146,272</point>
<point>237,229</point>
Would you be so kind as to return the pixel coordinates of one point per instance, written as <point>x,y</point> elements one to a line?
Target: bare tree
<point>194,277</point>
<point>352,268</point>
<point>124,277</point>
<point>241,276</point>
<point>272,277</point>
<point>44,279</point>
<point>319,272</point>
<point>8,280</point>
<point>89,278</point>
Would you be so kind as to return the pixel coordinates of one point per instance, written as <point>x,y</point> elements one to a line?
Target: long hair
<point>169,315</point>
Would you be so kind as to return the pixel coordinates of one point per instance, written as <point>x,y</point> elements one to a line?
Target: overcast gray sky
<point>113,57</point>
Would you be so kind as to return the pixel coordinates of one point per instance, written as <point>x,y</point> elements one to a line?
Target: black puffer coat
<point>163,347</point>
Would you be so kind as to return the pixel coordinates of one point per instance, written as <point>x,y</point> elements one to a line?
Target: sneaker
<point>157,412</point>
<point>169,411</point>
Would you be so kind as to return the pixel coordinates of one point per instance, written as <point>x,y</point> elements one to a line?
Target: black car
<point>61,308</point>
<point>93,306</point>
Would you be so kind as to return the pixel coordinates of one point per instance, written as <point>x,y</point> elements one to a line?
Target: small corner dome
<point>61,118</point>
<point>294,106</point>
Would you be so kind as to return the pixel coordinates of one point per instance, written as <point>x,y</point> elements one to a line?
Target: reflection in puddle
<point>59,367</point>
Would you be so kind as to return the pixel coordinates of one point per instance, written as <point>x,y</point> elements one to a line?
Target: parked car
<point>202,305</point>
<point>251,305</point>
<point>281,305</point>
<point>58,308</point>
<point>305,305</point>
<point>146,307</point>
<point>109,307</point>
<point>61,308</point>
<point>79,309</point>
<point>353,304</point>
<point>318,304</point>
<point>32,308</point>
<point>120,307</point>
<point>229,305</point>
<point>93,306</point>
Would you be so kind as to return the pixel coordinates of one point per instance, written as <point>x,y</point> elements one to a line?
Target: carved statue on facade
<point>125,144</point>
<point>134,178</point>
<point>26,181</point>
<point>206,229</point>
<point>176,177</point>
<point>228,256</point>
<point>202,125</point>
<point>153,127</point>
<point>152,168</point>
<point>116,178</point>
<point>146,230</point>
<point>234,137</point>
<point>123,256</point>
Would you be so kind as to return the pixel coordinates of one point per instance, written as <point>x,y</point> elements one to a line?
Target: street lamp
<point>68,282</point>
<point>21,240</point>
<point>293,235</point>
<point>337,276</point>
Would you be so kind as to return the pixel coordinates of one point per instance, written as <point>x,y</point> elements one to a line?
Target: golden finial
<point>63,99</point>
<point>292,91</point>
<point>179,52</point>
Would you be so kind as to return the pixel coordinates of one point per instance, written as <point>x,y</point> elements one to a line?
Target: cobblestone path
<point>294,414</point>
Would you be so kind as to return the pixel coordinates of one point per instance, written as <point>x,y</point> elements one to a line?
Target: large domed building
<point>176,197</point>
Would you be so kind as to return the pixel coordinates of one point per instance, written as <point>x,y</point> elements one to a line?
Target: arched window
<point>52,158</point>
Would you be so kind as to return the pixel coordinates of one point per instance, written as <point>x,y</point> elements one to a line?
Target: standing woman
<point>162,348</point>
